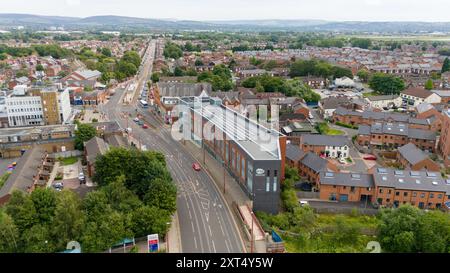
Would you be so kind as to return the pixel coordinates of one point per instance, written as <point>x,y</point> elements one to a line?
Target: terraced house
<point>388,187</point>
<point>328,146</point>
<point>394,135</point>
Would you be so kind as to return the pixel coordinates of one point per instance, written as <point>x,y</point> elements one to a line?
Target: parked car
<point>370,157</point>
<point>196,167</point>
<point>81,178</point>
<point>136,120</point>
<point>58,185</point>
<point>303,203</point>
<point>145,126</point>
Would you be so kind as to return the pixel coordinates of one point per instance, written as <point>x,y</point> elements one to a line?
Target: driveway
<point>359,164</point>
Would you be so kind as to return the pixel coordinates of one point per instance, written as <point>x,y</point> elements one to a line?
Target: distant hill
<point>121,22</point>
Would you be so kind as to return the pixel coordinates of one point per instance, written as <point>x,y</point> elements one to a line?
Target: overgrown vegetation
<point>324,129</point>
<point>45,220</point>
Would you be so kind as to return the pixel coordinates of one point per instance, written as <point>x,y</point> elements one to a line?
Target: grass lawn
<point>334,132</point>
<point>325,129</point>
<point>3,179</point>
<point>68,161</point>
<point>371,94</point>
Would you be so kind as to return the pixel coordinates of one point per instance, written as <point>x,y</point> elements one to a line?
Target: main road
<point>206,223</point>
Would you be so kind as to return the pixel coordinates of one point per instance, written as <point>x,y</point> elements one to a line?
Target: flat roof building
<point>253,154</point>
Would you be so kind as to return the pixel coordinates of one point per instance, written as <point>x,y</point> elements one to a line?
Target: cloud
<point>73,3</point>
<point>373,2</point>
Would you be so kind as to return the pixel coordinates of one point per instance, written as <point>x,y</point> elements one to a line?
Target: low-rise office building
<point>252,154</point>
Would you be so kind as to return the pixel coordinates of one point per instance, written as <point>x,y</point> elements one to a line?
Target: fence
<point>308,195</point>
<point>344,210</point>
<point>68,154</point>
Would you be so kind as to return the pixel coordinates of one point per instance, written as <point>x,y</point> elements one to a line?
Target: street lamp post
<point>167,239</point>
<point>224,178</point>
<point>252,234</point>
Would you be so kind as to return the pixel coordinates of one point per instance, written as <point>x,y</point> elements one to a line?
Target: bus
<point>143,104</point>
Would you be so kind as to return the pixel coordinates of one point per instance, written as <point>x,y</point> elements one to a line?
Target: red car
<point>145,126</point>
<point>370,157</point>
<point>196,167</point>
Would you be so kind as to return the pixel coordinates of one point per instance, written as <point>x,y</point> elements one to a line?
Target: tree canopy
<point>173,51</point>
<point>85,132</point>
<point>386,84</point>
<point>409,229</point>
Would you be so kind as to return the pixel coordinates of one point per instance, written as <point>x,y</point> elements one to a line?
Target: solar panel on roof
<point>431,174</point>
<point>415,173</point>
<point>382,170</point>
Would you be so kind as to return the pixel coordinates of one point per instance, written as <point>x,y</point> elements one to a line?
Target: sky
<point>204,10</point>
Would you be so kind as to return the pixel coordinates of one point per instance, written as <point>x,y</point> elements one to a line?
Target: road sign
<point>153,243</point>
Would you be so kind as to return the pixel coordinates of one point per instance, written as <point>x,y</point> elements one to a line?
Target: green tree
<point>446,65</point>
<point>397,229</point>
<point>21,209</point>
<point>84,133</point>
<point>361,43</point>
<point>139,168</point>
<point>150,220</point>
<point>22,73</point>
<point>39,67</point>
<point>433,232</point>
<point>9,234</point>
<point>155,77</point>
<point>386,84</point>
<point>173,51</point>
<point>3,56</point>
<point>178,72</point>
<point>198,62</point>
<point>270,65</point>
<point>429,84</point>
<point>363,75</point>
<point>107,230</point>
<point>106,52</point>
<point>68,221</point>
<point>132,57</point>
<point>38,239</point>
<point>121,198</point>
<point>44,201</point>
<point>63,74</point>
<point>162,194</point>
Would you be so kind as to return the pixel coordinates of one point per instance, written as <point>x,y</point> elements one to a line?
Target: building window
<point>422,195</point>
<point>381,190</point>
<point>431,195</point>
<point>397,193</point>
<point>414,194</point>
<point>275,180</point>
<point>405,194</point>
<point>268,181</point>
